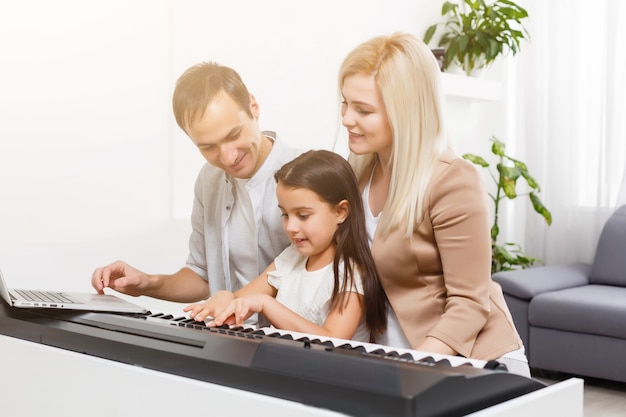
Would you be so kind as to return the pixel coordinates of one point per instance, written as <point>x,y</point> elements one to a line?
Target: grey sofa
<point>572,318</point>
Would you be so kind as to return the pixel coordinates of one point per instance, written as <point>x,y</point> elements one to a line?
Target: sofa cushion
<point>609,264</point>
<point>592,309</point>
<point>527,283</point>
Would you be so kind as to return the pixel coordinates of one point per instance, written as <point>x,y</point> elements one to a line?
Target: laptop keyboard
<point>44,296</point>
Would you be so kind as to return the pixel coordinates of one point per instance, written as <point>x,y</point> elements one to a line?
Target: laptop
<point>66,300</point>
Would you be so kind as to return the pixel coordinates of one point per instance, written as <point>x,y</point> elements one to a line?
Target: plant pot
<point>454,68</point>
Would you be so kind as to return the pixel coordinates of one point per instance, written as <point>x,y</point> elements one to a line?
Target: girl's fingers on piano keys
<point>198,311</point>
<point>226,316</point>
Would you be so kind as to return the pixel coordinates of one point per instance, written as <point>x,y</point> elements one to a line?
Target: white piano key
<point>370,347</point>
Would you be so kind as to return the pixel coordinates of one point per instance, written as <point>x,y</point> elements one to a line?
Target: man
<point>236,224</point>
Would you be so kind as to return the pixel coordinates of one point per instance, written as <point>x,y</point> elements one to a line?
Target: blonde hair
<point>407,75</point>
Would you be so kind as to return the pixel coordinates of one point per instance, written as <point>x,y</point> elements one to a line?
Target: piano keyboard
<point>388,351</point>
<point>354,378</point>
<point>400,354</point>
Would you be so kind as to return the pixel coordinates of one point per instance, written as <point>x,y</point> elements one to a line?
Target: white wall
<point>92,165</point>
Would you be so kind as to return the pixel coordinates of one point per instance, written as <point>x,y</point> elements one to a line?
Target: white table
<point>42,380</point>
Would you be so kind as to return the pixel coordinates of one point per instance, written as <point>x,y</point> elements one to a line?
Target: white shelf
<point>472,88</point>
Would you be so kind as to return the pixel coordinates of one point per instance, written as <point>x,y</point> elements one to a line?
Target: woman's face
<point>363,114</point>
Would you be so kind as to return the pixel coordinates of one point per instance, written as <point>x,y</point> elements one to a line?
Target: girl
<point>325,283</point>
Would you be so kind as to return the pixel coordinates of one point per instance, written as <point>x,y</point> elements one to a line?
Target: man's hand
<point>120,277</point>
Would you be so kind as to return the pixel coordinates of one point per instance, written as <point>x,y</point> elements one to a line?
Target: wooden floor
<point>601,398</point>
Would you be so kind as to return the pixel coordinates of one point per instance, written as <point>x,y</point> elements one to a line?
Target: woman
<point>426,207</point>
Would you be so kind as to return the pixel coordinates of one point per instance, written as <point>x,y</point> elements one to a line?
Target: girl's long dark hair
<point>331,177</point>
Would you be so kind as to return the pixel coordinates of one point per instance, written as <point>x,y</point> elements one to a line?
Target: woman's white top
<point>394,336</point>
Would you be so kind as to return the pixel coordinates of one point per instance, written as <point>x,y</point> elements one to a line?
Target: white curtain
<point>570,97</point>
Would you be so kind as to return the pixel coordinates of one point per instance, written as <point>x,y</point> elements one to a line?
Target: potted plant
<point>508,256</point>
<point>476,33</point>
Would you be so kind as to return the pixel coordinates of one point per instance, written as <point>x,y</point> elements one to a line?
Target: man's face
<point>228,138</point>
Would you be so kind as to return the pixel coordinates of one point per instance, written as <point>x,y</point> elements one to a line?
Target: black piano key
<point>143,315</point>
<point>319,342</point>
<point>495,365</point>
<point>245,329</point>
<point>196,326</point>
<point>359,348</point>
<point>185,320</point>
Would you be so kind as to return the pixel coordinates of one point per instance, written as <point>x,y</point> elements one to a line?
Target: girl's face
<point>310,223</point>
<point>363,114</point>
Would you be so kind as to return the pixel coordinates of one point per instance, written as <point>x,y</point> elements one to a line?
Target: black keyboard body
<point>305,370</point>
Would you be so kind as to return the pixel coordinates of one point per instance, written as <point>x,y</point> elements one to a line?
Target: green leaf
<point>530,180</point>
<point>463,42</point>
<point>540,208</point>
<point>493,50</point>
<point>504,254</point>
<point>498,147</point>
<point>525,261</point>
<point>508,186</point>
<point>518,164</point>
<point>429,33</point>
<point>495,231</point>
<point>475,159</point>
<point>512,173</point>
<point>450,54</point>
<point>448,7</point>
